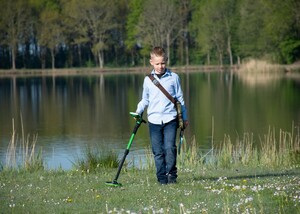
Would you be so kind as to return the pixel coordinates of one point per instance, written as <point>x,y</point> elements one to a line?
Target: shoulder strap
<point>156,82</point>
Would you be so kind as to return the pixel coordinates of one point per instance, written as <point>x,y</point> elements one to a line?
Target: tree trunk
<point>208,59</point>
<point>238,60</point>
<point>26,55</point>
<point>181,50</point>
<point>52,58</point>
<point>220,59</point>
<point>229,50</point>
<point>43,57</point>
<point>187,60</point>
<point>219,54</point>
<point>100,57</point>
<point>79,55</point>
<point>168,48</point>
<point>13,57</point>
<point>132,58</point>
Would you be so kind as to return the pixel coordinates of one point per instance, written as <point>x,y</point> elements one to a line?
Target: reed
<point>11,149</point>
<point>281,150</point>
<point>274,151</point>
<point>259,66</point>
<point>190,155</point>
<point>242,152</point>
<point>259,72</point>
<point>149,159</point>
<point>23,154</point>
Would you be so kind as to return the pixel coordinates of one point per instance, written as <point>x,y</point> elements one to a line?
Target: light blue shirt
<point>160,109</point>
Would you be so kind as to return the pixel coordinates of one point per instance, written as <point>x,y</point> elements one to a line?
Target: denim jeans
<point>163,141</point>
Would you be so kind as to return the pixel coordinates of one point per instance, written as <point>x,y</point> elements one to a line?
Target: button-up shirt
<point>160,109</point>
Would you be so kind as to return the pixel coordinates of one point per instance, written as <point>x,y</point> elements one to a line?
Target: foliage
<point>131,25</point>
<point>51,32</point>
<point>289,50</point>
<point>14,26</point>
<point>92,21</point>
<point>68,33</point>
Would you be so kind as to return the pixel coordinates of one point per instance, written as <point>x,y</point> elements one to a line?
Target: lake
<point>70,113</point>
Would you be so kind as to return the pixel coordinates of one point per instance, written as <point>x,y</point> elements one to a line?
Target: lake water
<point>71,113</point>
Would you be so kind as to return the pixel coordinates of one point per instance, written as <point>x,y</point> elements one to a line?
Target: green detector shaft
<point>139,120</point>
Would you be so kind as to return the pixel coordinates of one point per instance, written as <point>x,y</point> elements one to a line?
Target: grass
<point>235,177</point>
<point>95,159</point>
<point>254,72</point>
<point>22,152</point>
<point>197,191</point>
<point>275,151</point>
<point>259,66</point>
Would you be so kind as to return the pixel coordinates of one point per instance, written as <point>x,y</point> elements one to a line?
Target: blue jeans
<point>163,140</point>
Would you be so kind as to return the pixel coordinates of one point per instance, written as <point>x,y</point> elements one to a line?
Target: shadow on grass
<point>249,176</point>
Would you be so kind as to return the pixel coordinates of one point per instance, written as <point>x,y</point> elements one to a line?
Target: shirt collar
<point>167,73</point>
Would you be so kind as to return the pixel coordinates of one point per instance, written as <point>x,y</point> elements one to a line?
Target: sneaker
<point>171,179</point>
<point>163,183</point>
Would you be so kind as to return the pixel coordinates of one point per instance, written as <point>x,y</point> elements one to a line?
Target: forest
<point>45,34</point>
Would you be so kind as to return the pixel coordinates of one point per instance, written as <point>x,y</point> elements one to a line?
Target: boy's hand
<point>185,123</point>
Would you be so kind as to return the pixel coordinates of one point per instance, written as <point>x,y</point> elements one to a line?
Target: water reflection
<point>70,113</point>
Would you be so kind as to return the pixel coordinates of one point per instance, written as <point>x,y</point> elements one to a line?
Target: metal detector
<point>139,120</point>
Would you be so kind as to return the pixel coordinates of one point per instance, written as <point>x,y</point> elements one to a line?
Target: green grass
<point>276,150</point>
<point>235,177</point>
<point>197,191</point>
<point>95,158</point>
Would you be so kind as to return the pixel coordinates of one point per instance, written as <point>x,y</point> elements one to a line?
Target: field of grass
<point>197,191</point>
<point>235,177</point>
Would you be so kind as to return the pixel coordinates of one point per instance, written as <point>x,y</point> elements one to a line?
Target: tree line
<point>114,33</point>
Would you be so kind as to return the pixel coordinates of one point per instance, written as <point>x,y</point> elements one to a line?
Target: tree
<point>282,35</point>
<point>250,30</point>
<point>132,35</point>
<point>94,21</point>
<point>159,24</point>
<point>184,12</point>
<point>51,31</point>
<point>14,25</point>
<point>38,33</point>
<point>213,22</point>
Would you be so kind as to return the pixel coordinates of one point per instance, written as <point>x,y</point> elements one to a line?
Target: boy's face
<point>158,63</point>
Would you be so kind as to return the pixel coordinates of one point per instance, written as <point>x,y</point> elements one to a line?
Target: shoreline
<point>290,69</point>
<point>95,70</point>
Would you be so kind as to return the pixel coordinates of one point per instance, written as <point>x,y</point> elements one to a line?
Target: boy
<point>161,113</point>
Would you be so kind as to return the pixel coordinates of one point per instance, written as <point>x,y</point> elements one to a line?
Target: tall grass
<point>259,66</point>
<point>190,155</point>
<point>274,151</point>
<point>22,153</point>
<point>255,72</point>
<point>283,150</point>
<point>94,159</point>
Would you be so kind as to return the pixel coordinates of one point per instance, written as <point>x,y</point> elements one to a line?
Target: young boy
<point>161,113</point>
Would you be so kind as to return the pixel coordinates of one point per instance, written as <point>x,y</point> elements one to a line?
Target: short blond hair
<point>159,52</point>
